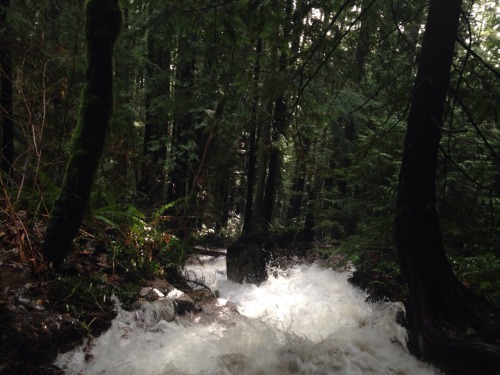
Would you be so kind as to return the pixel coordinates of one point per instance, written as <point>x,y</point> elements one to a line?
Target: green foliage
<point>140,247</point>
<point>88,299</point>
<point>480,274</point>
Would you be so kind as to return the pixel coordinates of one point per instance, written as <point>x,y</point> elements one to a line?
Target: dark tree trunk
<point>247,221</point>
<point>122,139</point>
<point>295,206</point>
<point>197,200</point>
<point>252,146</point>
<point>103,22</point>
<point>6,94</point>
<point>292,30</point>
<point>183,126</point>
<point>368,25</point>
<point>263,139</point>
<point>274,173</point>
<point>151,183</point>
<point>438,302</point>
<point>308,229</point>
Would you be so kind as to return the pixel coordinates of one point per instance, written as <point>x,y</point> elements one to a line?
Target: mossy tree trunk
<point>102,26</point>
<point>443,312</point>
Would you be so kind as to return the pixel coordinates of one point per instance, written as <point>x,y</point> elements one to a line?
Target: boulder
<point>149,314</point>
<point>247,258</point>
<point>164,293</point>
<point>183,303</point>
<point>246,261</point>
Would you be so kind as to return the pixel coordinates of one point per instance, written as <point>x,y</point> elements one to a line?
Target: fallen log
<point>208,252</point>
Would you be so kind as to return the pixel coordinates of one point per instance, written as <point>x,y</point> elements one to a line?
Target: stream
<point>306,320</point>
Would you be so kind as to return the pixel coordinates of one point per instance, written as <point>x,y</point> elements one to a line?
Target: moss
<point>102,25</point>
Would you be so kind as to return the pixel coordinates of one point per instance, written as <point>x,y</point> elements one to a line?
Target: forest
<point>137,132</point>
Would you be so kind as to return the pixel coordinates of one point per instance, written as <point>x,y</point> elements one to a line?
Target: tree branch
<point>479,58</point>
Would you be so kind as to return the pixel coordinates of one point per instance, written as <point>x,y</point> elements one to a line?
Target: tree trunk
<point>308,228</point>
<point>275,156</point>
<point>295,205</point>
<point>438,302</point>
<point>183,126</point>
<point>366,33</point>
<point>103,22</point>
<point>6,94</point>
<point>252,145</point>
<point>120,175</point>
<point>152,178</point>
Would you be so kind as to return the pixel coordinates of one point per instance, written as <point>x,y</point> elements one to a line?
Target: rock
<point>183,302</point>
<point>151,294</point>
<point>247,258</point>
<point>233,363</point>
<point>246,261</point>
<point>231,306</point>
<point>160,284</point>
<point>149,314</point>
<point>144,291</point>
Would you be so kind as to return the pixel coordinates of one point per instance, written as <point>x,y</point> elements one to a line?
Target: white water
<point>305,321</point>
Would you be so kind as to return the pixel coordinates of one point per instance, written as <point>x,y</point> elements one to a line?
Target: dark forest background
<point>250,116</point>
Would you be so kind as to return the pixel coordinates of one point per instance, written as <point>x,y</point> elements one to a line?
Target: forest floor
<point>46,313</point>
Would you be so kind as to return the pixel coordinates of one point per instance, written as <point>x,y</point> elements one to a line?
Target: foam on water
<point>306,320</point>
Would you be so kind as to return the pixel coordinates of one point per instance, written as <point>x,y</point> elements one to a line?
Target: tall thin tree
<point>102,26</point>
<point>6,93</point>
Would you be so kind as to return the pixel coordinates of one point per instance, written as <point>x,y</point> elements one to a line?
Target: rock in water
<point>149,314</point>
<point>246,261</point>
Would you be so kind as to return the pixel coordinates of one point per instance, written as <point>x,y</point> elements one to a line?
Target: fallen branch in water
<point>205,251</point>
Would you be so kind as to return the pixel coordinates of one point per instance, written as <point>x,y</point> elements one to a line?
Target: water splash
<point>307,320</point>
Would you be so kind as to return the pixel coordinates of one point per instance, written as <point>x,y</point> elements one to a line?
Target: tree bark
<point>102,26</point>
<point>252,145</point>
<point>183,132</point>
<point>366,33</point>
<point>275,159</point>
<point>436,298</point>
<point>151,183</point>
<point>6,94</point>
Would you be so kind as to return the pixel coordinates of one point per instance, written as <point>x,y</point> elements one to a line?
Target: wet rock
<point>160,284</point>
<point>247,258</point>
<point>149,314</point>
<point>151,294</point>
<point>144,291</point>
<point>233,363</point>
<point>246,261</point>
<point>159,289</point>
<point>183,302</point>
<point>231,306</point>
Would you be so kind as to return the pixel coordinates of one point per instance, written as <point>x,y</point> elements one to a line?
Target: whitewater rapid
<point>306,320</point>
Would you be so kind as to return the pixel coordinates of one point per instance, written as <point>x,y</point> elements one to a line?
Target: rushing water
<point>307,320</point>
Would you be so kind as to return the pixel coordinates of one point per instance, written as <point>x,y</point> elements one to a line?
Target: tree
<point>103,23</point>
<point>152,180</point>
<point>438,301</point>
<point>6,94</point>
